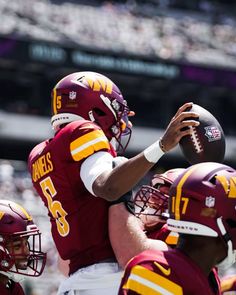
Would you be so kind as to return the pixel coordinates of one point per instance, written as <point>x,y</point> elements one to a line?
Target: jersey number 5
<point>55,207</point>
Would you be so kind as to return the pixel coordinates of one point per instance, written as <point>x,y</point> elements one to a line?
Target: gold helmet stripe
<point>179,190</point>
<point>1,214</point>
<point>29,217</point>
<point>54,101</point>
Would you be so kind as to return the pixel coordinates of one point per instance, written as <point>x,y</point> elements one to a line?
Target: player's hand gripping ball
<point>207,142</point>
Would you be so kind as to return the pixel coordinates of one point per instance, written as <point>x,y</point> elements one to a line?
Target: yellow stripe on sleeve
<point>146,282</point>
<point>87,144</point>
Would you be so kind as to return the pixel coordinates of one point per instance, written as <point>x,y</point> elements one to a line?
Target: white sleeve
<point>95,165</point>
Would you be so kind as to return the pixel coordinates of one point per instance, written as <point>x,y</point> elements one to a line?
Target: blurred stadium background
<point>161,53</point>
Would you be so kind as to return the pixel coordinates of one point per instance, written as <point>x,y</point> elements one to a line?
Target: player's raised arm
<point>112,184</point>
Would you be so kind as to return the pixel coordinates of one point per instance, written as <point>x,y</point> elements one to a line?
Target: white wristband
<point>153,153</point>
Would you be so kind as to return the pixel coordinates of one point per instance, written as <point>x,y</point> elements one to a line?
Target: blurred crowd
<point>122,28</point>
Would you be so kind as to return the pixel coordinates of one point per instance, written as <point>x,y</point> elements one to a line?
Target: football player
<point>20,248</point>
<point>150,211</point>
<point>151,203</point>
<point>202,208</point>
<point>74,173</point>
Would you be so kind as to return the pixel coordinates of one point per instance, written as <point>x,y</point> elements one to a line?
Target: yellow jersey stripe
<point>87,144</point>
<point>172,238</point>
<point>147,282</point>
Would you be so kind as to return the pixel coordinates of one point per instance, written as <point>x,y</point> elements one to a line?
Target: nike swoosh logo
<point>162,269</point>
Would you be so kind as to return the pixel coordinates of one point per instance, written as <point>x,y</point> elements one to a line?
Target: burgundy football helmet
<point>18,228</point>
<point>202,201</point>
<point>151,201</point>
<point>91,96</point>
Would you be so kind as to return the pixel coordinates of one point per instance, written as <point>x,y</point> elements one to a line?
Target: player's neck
<point>201,250</point>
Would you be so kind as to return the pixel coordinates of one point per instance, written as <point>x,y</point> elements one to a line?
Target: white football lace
<point>195,140</point>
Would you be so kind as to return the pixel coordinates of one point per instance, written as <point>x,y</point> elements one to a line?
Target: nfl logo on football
<point>212,133</point>
<point>72,95</point>
<point>210,202</point>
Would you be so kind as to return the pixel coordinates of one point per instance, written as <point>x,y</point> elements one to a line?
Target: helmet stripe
<point>54,105</point>
<point>24,211</point>
<point>179,190</point>
<point>1,214</point>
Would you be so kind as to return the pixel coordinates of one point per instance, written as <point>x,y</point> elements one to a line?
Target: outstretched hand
<point>179,126</point>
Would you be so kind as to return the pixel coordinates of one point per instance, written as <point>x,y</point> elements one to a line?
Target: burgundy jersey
<point>79,220</point>
<point>164,234</point>
<point>11,288</point>
<point>170,272</point>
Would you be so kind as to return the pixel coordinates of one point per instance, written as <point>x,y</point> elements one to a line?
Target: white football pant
<point>96,279</point>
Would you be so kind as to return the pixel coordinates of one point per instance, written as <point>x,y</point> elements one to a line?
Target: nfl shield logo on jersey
<point>210,202</point>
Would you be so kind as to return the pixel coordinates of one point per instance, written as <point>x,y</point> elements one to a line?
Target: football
<point>207,141</point>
